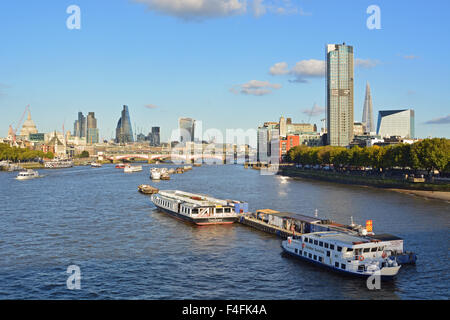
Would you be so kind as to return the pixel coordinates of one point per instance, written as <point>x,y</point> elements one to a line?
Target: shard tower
<point>367,118</point>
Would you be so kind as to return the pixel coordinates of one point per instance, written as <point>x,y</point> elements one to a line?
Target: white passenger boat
<point>155,174</point>
<point>196,208</point>
<point>96,165</point>
<point>27,175</point>
<point>130,169</point>
<point>344,253</point>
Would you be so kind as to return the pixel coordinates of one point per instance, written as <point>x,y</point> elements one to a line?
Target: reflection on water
<point>96,219</point>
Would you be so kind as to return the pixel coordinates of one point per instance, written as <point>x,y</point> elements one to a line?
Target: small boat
<point>147,189</point>
<point>165,176</point>
<point>187,168</point>
<point>130,169</point>
<point>179,170</point>
<point>344,253</point>
<point>155,174</point>
<point>27,175</point>
<point>197,164</point>
<point>120,165</point>
<point>96,165</point>
<point>58,163</point>
<point>198,209</point>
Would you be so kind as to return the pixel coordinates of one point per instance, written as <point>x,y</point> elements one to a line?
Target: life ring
<point>384,255</point>
<point>289,240</point>
<point>303,245</point>
<point>361,258</point>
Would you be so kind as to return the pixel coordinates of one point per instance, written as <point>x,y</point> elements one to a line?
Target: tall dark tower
<point>124,132</point>
<point>367,118</point>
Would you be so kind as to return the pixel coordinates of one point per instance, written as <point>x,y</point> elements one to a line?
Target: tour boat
<point>196,208</point>
<point>120,165</point>
<point>341,252</point>
<point>27,175</point>
<point>96,165</point>
<point>58,163</point>
<point>129,169</point>
<point>155,174</point>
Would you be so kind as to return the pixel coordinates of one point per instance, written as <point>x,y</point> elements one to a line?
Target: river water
<point>94,218</point>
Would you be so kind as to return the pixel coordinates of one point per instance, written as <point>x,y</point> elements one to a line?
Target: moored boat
<point>155,174</point>
<point>196,208</point>
<point>344,253</point>
<point>27,175</point>
<point>120,165</point>
<point>96,165</point>
<point>58,163</point>
<point>130,169</point>
<point>147,189</point>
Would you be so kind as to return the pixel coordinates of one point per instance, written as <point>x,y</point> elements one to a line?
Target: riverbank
<point>427,190</point>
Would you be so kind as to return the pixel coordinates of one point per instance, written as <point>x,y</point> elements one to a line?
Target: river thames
<point>95,218</point>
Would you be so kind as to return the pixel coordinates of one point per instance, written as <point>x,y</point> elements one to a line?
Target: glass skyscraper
<point>124,132</point>
<point>187,128</point>
<point>396,123</point>
<point>91,130</point>
<point>339,94</point>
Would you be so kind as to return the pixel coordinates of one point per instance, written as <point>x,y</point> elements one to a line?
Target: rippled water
<point>96,219</point>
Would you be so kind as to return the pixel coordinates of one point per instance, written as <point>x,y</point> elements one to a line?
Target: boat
<point>195,208</point>
<point>197,164</point>
<point>120,165</point>
<point>165,176</point>
<point>187,168</point>
<point>58,163</point>
<point>130,169</point>
<point>27,175</point>
<point>179,170</point>
<point>96,165</point>
<point>344,253</point>
<point>155,174</point>
<point>147,189</point>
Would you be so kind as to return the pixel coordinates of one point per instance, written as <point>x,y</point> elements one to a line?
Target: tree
<point>84,154</point>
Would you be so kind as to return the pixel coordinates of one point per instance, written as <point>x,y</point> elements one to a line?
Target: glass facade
<point>339,94</point>
<point>187,127</point>
<point>124,132</point>
<point>396,123</point>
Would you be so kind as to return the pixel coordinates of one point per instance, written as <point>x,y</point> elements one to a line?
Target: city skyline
<point>208,73</point>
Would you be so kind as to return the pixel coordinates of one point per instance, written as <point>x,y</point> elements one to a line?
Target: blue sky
<point>212,61</point>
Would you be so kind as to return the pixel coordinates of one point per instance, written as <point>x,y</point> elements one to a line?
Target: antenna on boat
<point>351,222</point>
<point>316,213</point>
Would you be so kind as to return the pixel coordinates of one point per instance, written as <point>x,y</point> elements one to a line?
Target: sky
<point>232,64</point>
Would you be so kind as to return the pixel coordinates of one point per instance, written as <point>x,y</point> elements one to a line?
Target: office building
<point>339,87</point>
<point>398,123</point>
<point>187,129</point>
<point>91,129</point>
<point>124,132</point>
<point>155,138</point>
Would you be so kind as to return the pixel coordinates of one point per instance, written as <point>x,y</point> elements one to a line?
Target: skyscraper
<point>79,127</point>
<point>156,140</point>
<point>187,128</point>
<point>367,118</point>
<point>339,94</point>
<point>124,132</point>
<point>91,129</point>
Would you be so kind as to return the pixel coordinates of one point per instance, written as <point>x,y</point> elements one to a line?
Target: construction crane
<point>20,121</point>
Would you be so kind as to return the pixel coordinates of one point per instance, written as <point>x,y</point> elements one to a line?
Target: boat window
<point>296,250</point>
<point>349,249</point>
<point>366,249</point>
<point>316,242</point>
<point>227,210</point>
<point>336,264</point>
<point>332,246</point>
<point>310,255</point>
<point>328,253</point>
<point>310,240</point>
<point>320,259</point>
<point>339,249</point>
<point>219,210</point>
<point>374,249</point>
<point>321,243</point>
<point>342,266</point>
<point>326,245</point>
<point>305,239</point>
<point>304,253</point>
<point>194,211</point>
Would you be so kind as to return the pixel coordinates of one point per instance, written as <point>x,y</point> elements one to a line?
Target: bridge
<point>173,157</point>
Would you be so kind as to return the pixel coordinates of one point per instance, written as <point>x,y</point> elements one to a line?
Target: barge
<point>287,224</point>
<point>198,209</point>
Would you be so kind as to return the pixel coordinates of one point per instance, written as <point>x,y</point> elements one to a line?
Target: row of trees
<point>428,154</point>
<point>20,154</point>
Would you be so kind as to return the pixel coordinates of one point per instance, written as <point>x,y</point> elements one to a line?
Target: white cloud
<point>303,69</point>
<point>255,87</point>
<point>366,63</point>
<point>279,68</point>
<point>314,111</point>
<point>410,57</point>
<point>196,9</point>
<point>150,106</point>
<point>205,9</point>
